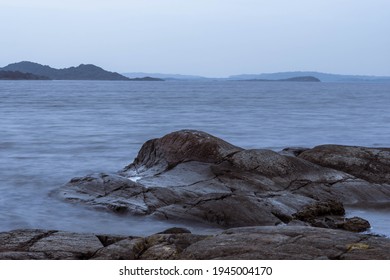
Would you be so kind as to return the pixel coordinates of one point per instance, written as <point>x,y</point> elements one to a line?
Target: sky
<point>214,38</point>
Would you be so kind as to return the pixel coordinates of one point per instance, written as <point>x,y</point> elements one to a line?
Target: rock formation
<point>269,242</point>
<point>196,177</point>
<point>287,205</point>
<point>34,71</point>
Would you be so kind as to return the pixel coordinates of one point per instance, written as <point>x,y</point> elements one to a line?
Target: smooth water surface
<point>52,131</point>
<point>379,218</point>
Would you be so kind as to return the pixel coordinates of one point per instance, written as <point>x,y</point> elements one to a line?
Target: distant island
<point>81,72</point>
<point>324,77</point>
<point>279,76</point>
<point>293,79</point>
<point>27,70</point>
<point>147,79</point>
<point>16,75</point>
<point>166,77</point>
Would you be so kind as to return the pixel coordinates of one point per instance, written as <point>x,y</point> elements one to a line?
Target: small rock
<point>293,151</point>
<point>318,209</point>
<point>175,230</point>
<point>355,224</point>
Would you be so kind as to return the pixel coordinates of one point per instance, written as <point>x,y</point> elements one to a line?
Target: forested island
<point>27,70</point>
<point>293,79</point>
<point>16,75</point>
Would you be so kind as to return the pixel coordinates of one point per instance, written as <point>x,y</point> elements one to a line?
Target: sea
<point>52,131</point>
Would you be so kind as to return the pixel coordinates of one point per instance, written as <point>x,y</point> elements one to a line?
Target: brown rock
<point>182,146</point>
<point>355,224</point>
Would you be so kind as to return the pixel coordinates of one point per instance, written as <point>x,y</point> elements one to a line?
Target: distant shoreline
<point>27,70</point>
<point>93,72</point>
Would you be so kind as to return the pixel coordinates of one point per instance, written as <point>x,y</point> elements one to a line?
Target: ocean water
<point>52,131</point>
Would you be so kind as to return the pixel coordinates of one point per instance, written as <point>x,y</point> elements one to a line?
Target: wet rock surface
<point>191,176</point>
<point>370,164</point>
<point>269,242</point>
<point>293,242</point>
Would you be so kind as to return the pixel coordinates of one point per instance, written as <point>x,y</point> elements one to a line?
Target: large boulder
<point>178,147</point>
<point>192,176</point>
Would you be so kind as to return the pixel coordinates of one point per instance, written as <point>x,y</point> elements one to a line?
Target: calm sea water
<point>52,131</point>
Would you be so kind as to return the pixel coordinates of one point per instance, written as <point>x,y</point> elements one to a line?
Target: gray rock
<point>40,244</point>
<point>109,191</point>
<point>181,146</point>
<point>292,242</point>
<point>168,246</point>
<point>270,242</point>
<point>192,176</point>
<point>125,249</point>
<point>175,230</point>
<point>370,164</point>
<point>195,177</point>
<point>293,151</point>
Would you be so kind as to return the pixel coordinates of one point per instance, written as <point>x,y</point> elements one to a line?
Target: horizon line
<point>207,76</point>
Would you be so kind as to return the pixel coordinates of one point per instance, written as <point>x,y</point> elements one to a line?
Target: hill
<point>16,75</point>
<point>81,72</point>
<point>293,79</point>
<point>147,79</point>
<point>324,77</point>
<point>135,75</point>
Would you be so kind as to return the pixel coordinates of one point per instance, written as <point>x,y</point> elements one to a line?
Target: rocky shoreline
<point>270,205</point>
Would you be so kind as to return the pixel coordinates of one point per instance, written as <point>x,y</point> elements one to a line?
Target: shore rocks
<point>41,244</point>
<point>269,205</point>
<point>269,242</point>
<point>355,224</point>
<point>193,176</point>
<point>372,165</point>
<point>293,242</point>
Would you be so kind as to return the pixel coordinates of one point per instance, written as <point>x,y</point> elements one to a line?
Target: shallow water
<point>379,219</point>
<point>52,131</point>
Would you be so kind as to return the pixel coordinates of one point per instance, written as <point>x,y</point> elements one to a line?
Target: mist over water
<point>52,131</point>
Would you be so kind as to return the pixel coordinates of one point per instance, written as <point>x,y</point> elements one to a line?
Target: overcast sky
<point>202,37</point>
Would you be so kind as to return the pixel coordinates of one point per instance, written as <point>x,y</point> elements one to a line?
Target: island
<point>147,79</point>
<point>293,79</point>
<point>81,72</point>
<point>16,75</point>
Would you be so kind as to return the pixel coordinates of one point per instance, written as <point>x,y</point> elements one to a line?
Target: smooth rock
<point>181,146</point>
<point>192,176</point>
<point>370,164</point>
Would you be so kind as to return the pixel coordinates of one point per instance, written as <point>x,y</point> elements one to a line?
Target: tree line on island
<point>26,70</point>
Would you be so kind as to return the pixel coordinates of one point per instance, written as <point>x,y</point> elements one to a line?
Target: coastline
<point>282,201</point>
